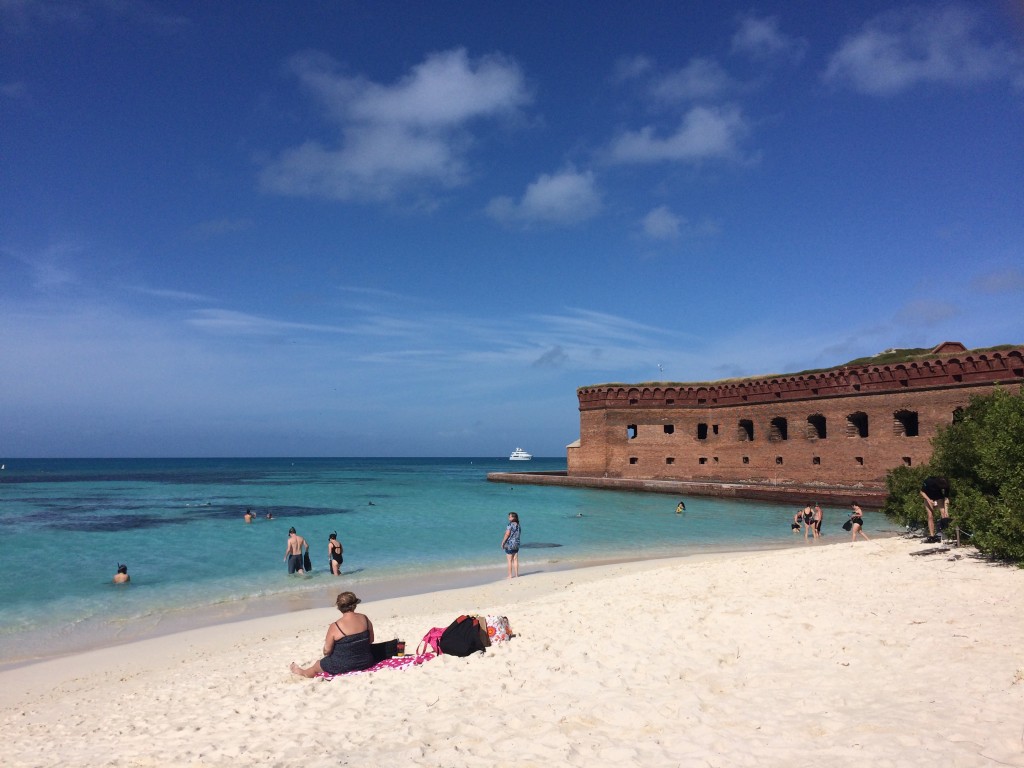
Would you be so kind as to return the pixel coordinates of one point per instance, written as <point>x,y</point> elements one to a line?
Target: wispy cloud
<point>701,78</point>
<point>630,68</point>
<point>1000,281</point>
<point>704,133</point>
<point>50,268</point>
<point>29,16</point>
<point>760,38</point>
<point>216,227</point>
<point>566,197</point>
<point>14,90</point>
<point>164,293</point>
<point>901,49</point>
<point>925,313</point>
<point>662,224</point>
<point>395,137</point>
<point>230,322</point>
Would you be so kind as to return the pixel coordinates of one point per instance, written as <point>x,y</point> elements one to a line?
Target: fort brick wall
<point>845,426</point>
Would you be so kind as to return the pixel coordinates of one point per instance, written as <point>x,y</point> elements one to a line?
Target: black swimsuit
<point>350,653</point>
<point>336,556</point>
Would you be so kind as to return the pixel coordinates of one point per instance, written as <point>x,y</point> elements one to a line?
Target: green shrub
<point>903,504</point>
<point>982,454</point>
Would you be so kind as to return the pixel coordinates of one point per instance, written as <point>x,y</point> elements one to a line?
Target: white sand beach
<point>836,655</point>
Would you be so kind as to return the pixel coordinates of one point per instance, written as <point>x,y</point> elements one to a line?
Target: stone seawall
<point>869,497</point>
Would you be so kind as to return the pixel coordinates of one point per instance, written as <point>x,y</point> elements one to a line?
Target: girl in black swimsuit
<point>334,553</point>
<point>857,518</point>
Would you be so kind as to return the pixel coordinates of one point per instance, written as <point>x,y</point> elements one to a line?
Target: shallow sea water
<point>406,524</point>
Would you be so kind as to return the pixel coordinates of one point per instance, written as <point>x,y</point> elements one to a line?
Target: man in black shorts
<point>935,492</point>
<point>294,551</point>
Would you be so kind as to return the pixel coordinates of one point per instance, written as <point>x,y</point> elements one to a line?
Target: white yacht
<point>519,455</point>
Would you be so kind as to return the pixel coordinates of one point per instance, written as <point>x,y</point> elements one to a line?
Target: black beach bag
<point>848,525</point>
<point>462,637</point>
<point>307,566</point>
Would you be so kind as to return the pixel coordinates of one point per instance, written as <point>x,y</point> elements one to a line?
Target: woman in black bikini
<point>347,644</point>
<point>857,518</point>
<point>334,553</point>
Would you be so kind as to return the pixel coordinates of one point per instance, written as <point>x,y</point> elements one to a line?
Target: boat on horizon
<point>519,455</point>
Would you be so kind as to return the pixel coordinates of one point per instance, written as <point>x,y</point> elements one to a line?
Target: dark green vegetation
<point>982,454</point>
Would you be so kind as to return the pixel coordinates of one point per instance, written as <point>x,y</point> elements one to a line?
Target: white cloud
<point>761,39</point>
<point>217,227</point>
<point>49,268</point>
<point>630,68</point>
<point>27,16</point>
<point>567,197</point>
<point>902,49</point>
<point>230,322</point>
<point>700,79</point>
<point>704,132</point>
<point>166,293</point>
<point>14,90</point>
<point>1008,280</point>
<point>393,137</point>
<point>925,313</point>
<point>662,224</point>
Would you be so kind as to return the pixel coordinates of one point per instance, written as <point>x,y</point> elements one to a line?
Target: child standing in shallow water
<point>510,543</point>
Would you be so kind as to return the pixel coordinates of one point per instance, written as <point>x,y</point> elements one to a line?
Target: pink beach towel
<point>398,662</point>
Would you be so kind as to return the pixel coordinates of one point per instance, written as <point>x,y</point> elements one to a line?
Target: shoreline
<point>816,655</point>
<point>179,620</point>
<point>871,496</point>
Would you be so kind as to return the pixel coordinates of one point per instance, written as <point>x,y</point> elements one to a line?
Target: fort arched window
<point>745,430</point>
<point>857,424</point>
<point>631,432</point>
<point>904,424</point>
<point>702,431</point>
<point>778,429</point>
<point>816,427</point>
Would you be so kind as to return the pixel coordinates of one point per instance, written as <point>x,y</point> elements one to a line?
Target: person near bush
<point>935,492</point>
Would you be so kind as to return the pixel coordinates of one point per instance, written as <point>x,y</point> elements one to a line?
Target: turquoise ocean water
<point>407,525</point>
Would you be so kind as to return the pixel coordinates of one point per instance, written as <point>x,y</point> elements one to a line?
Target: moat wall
<point>842,427</point>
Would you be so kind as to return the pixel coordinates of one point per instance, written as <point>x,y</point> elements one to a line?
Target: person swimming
<point>122,577</point>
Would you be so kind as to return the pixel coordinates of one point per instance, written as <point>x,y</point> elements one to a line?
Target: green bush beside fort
<point>982,454</point>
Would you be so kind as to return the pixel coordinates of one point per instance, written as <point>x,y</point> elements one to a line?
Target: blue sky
<point>408,228</point>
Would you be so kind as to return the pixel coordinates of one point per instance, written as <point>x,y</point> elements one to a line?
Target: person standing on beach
<point>797,519</point>
<point>818,518</point>
<point>293,553</point>
<point>857,518</point>
<point>334,553</point>
<point>808,517</point>
<point>935,492</point>
<point>510,543</point>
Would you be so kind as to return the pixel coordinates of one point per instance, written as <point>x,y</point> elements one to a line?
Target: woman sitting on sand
<point>347,644</point>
